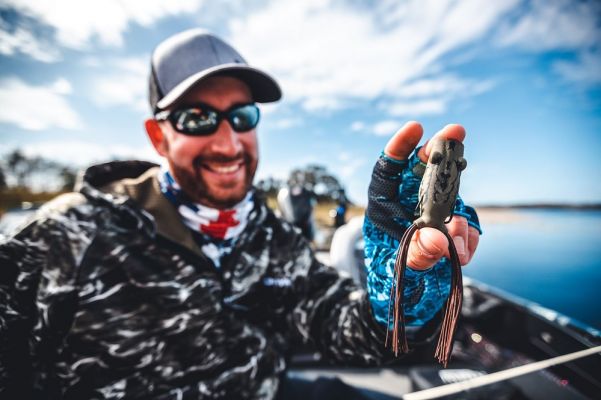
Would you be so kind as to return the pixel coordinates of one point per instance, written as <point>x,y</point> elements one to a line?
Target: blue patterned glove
<point>393,198</point>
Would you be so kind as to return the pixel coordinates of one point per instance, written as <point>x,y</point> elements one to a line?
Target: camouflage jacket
<point>106,295</point>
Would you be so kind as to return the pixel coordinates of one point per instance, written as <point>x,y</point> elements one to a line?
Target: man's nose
<point>226,140</point>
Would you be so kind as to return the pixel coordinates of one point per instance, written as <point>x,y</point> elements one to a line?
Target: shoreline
<point>500,215</point>
<point>541,206</point>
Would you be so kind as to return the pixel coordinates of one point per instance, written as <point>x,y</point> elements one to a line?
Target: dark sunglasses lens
<point>244,118</point>
<point>195,121</point>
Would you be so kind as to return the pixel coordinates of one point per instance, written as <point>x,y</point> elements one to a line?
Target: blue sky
<point>523,77</point>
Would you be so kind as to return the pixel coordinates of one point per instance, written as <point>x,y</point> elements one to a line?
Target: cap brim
<point>263,87</point>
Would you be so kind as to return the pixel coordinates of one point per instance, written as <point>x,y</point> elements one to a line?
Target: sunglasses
<point>202,120</point>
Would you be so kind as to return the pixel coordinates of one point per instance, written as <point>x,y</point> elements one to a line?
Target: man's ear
<point>156,136</point>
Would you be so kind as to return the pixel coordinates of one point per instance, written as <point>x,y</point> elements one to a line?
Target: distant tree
<point>3,184</point>
<point>68,176</point>
<point>35,173</point>
<point>18,166</point>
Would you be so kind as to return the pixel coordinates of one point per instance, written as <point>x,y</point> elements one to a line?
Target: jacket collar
<point>133,187</point>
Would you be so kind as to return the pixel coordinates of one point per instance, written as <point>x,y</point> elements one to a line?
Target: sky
<point>523,77</point>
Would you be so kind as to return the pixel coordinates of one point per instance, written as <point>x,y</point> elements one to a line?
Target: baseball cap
<point>181,61</point>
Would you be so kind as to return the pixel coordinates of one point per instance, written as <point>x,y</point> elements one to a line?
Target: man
<point>180,283</point>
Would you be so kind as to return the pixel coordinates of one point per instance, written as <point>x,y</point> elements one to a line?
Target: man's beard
<point>196,188</point>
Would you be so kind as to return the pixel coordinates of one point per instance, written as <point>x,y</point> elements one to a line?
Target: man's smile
<point>222,174</point>
<point>223,168</point>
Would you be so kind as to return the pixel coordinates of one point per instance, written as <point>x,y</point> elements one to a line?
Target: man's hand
<point>428,245</point>
<point>393,199</point>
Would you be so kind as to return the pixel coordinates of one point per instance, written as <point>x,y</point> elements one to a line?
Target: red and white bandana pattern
<point>218,224</point>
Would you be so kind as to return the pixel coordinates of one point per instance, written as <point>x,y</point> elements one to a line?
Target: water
<point>551,257</point>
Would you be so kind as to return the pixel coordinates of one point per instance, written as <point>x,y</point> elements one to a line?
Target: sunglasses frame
<point>173,116</point>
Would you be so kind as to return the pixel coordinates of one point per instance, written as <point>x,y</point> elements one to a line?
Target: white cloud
<point>358,126</point>
<point>344,156</point>
<point>348,164</point>
<point>37,107</point>
<point>77,23</point>
<point>561,25</point>
<point>269,108</point>
<point>125,85</point>
<point>386,128</point>
<point>61,86</point>
<point>273,170</point>
<point>118,90</point>
<point>418,107</point>
<point>459,23</point>
<point>554,25</point>
<point>286,123</point>
<point>431,96</point>
<point>81,153</point>
<point>328,54</point>
<point>321,103</point>
<point>586,69</point>
<point>20,39</point>
<point>444,85</point>
<point>135,65</point>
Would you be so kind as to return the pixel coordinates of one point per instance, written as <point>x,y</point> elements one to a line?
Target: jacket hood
<point>98,176</point>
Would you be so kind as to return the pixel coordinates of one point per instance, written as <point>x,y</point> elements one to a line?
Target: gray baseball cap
<point>181,61</point>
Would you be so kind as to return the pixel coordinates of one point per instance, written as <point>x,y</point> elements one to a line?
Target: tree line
<point>26,178</point>
<point>35,179</point>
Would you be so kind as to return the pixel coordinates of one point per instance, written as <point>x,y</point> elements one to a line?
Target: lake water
<point>550,257</point>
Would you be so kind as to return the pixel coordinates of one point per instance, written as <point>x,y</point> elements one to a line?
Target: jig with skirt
<point>437,195</point>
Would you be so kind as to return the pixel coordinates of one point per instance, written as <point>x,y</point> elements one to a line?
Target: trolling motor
<point>437,195</point>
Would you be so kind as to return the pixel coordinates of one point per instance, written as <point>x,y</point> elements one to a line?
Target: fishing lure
<point>437,195</point>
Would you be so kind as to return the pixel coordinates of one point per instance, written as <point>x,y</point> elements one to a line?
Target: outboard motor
<point>346,250</point>
<point>296,206</point>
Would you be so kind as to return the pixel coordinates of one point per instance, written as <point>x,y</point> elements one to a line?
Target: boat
<point>543,354</point>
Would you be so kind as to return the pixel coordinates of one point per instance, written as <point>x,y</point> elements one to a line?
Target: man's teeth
<point>225,170</point>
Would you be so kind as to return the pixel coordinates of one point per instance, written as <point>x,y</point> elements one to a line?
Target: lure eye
<point>436,157</point>
<point>461,163</point>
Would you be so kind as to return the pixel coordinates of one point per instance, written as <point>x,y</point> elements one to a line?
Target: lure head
<point>440,184</point>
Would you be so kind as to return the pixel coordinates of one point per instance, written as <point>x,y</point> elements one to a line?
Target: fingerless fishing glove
<point>392,202</point>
